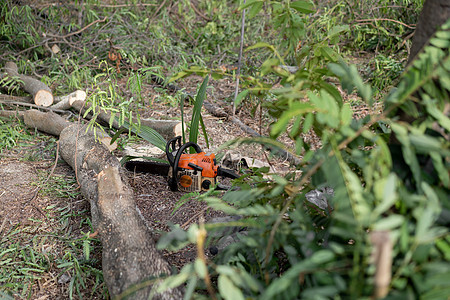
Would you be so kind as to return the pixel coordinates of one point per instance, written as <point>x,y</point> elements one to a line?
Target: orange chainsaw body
<point>199,177</point>
<point>206,162</point>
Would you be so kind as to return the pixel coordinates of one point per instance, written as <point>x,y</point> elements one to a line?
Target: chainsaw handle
<point>173,144</point>
<point>174,161</point>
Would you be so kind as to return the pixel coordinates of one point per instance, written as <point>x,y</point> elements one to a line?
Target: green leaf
<point>350,79</point>
<point>389,223</point>
<point>305,7</point>
<point>329,53</point>
<point>255,9</point>
<point>241,96</point>
<point>177,76</point>
<point>346,114</point>
<point>440,168</point>
<point>425,143</point>
<point>175,280</point>
<point>336,30</point>
<point>190,287</point>
<point>386,190</point>
<point>268,65</point>
<point>200,268</point>
<point>261,45</point>
<point>196,112</point>
<point>148,134</point>
<point>440,43</point>
<point>432,109</point>
<point>228,290</point>
<point>290,277</point>
<point>248,4</point>
<point>297,108</point>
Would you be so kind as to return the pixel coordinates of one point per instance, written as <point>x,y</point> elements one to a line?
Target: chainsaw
<point>186,172</point>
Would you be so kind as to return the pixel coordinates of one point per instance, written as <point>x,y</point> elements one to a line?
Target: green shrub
<point>387,196</point>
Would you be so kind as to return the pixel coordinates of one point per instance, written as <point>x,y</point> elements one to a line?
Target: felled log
<point>167,128</point>
<point>65,102</point>
<point>42,95</point>
<point>12,113</point>
<point>53,124</point>
<point>48,122</point>
<point>10,98</point>
<point>129,256</point>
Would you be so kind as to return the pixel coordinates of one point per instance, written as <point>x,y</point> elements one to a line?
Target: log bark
<point>48,122</point>
<point>167,128</point>
<point>129,255</point>
<point>434,13</point>
<point>12,113</point>
<point>42,95</point>
<point>53,124</point>
<point>10,98</point>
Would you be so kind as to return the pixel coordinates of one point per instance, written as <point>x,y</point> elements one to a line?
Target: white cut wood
<point>65,102</point>
<point>42,94</point>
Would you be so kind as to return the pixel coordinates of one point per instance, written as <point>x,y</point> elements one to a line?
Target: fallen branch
<point>11,103</point>
<point>12,113</point>
<point>42,95</point>
<point>390,20</point>
<point>75,32</point>
<point>9,98</point>
<point>53,124</point>
<point>65,102</point>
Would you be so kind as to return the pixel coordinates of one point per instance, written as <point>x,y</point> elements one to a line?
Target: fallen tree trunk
<point>12,113</point>
<point>129,255</point>
<point>167,128</point>
<point>130,261</point>
<point>42,95</point>
<point>53,124</point>
<point>48,122</point>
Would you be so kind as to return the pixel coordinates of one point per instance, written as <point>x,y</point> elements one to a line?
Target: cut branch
<point>65,102</point>
<point>42,95</point>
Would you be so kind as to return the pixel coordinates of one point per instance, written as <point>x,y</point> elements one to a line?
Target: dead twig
<point>199,12</point>
<point>76,32</point>
<point>7,102</point>
<point>383,19</point>
<point>158,9</point>
<point>238,72</point>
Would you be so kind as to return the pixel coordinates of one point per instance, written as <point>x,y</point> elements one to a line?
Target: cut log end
<point>178,129</point>
<point>43,98</point>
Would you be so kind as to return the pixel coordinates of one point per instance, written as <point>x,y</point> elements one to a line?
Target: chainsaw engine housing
<point>192,172</point>
<point>196,172</point>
